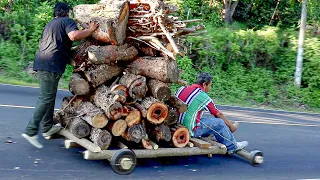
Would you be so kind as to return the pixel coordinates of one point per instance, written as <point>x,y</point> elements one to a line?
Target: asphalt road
<point>290,142</point>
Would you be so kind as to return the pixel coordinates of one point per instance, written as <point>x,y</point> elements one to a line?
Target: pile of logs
<point>122,77</point>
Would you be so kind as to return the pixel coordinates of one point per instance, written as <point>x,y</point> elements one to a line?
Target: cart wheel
<point>257,157</point>
<point>123,161</point>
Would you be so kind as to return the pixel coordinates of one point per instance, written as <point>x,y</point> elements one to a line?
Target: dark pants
<point>45,105</point>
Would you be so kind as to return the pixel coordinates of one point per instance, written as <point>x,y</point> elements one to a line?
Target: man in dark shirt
<point>50,62</point>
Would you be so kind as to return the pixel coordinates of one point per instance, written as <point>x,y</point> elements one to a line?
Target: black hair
<point>61,10</point>
<point>204,78</point>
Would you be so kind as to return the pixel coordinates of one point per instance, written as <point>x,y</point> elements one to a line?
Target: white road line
<point>28,86</point>
<point>17,106</point>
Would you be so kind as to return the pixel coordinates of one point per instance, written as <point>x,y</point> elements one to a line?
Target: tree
<point>229,6</point>
<point>298,73</point>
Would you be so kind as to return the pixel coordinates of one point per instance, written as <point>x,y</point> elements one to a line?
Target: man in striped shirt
<point>217,124</point>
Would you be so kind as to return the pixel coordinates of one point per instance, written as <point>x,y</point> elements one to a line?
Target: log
<point>161,133</point>
<point>136,84</point>
<point>92,114</point>
<point>159,90</point>
<point>157,111</point>
<point>107,101</point>
<point>133,118</point>
<point>156,68</point>
<point>148,144</point>
<point>78,85</point>
<point>178,104</point>
<point>172,117</point>
<point>141,109</point>
<point>101,138</point>
<point>68,144</point>
<point>100,74</point>
<point>112,19</point>
<point>120,89</point>
<point>111,54</point>
<point>134,133</point>
<point>180,136</point>
<point>79,128</point>
<point>80,53</point>
<point>118,127</point>
<point>83,142</point>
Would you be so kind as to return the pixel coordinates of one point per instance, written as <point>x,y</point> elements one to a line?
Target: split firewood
<point>92,114</point>
<point>99,74</point>
<point>180,136</point>
<point>157,111</point>
<point>79,128</point>
<point>156,68</point>
<point>133,118</point>
<point>172,117</point>
<point>178,104</point>
<point>136,84</point>
<point>159,90</point>
<point>78,85</point>
<point>101,138</point>
<point>107,101</point>
<point>117,127</point>
<point>111,54</point>
<point>134,133</point>
<point>112,19</point>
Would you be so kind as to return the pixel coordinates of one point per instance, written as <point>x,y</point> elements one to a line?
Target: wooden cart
<point>123,160</point>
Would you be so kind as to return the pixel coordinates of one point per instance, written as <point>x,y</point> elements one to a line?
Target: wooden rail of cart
<point>123,160</point>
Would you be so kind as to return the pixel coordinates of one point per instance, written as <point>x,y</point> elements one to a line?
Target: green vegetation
<point>252,60</point>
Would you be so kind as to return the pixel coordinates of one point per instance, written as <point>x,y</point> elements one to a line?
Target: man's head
<point>205,80</point>
<point>61,10</point>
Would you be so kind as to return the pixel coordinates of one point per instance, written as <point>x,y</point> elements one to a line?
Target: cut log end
<point>157,113</point>
<point>99,121</point>
<point>180,137</point>
<point>133,118</point>
<point>118,127</point>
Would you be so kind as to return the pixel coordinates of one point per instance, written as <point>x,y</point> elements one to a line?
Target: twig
<point>173,44</point>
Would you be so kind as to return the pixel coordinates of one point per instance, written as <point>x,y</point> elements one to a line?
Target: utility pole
<point>298,73</point>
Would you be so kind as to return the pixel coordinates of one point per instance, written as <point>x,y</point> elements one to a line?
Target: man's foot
<point>54,129</point>
<point>240,145</point>
<point>32,140</point>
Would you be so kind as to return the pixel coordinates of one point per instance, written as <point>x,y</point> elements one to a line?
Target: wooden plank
<point>200,143</point>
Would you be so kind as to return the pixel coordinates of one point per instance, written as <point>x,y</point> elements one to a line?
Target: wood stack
<point>122,77</point>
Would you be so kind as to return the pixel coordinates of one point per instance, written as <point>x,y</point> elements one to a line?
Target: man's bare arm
<point>228,123</point>
<point>81,34</point>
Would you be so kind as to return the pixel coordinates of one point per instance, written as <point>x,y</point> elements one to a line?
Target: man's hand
<point>232,127</point>
<point>93,26</point>
<point>228,123</point>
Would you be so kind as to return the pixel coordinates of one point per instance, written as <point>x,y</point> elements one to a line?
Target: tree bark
<point>136,84</point>
<point>229,8</point>
<point>178,104</point>
<point>111,54</point>
<point>156,68</point>
<point>172,117</point>
<point>80,53</point>
<point>101,138</point>
<point>159,90</point>
<point>157,111</point>
<point>92,115</point>
<point>107,101</point>
<point>117,127</point>
<point>141,109</point>
<point>78,85</point>
<point>100,74</point>
<point>180,136</point>
<point>161,133</point>
<point>134,133</point>
<point>79,128</point>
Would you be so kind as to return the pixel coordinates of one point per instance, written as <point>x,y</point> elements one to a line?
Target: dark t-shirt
<point>54,47</point>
